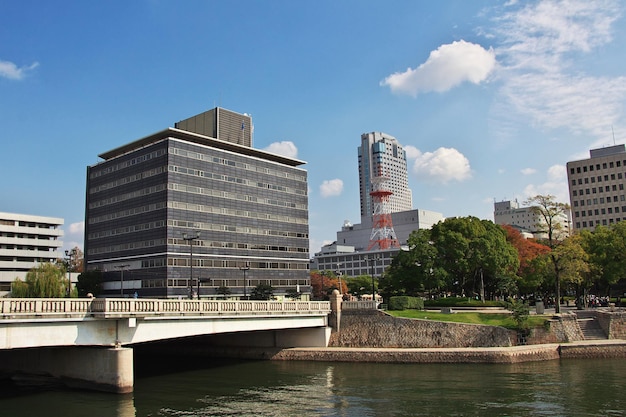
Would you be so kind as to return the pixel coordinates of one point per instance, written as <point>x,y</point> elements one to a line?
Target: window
<point>578,170</point>
<point>586,180</point>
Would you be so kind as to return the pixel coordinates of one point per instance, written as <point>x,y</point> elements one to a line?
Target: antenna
<point>612,131</point>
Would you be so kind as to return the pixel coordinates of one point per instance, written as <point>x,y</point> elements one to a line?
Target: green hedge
<point>405,303</point>
<point>462,302</point>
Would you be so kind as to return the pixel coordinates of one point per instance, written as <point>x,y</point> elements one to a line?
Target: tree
<point>551,214</point>
<point>606,248</point>
<point>89,282</point>
<point>262,292</point>
<point>473,256</point>
<point>44,281</point>
<point>360,285</point>
<point>223,290</point>
<point>293,294</point>
<point>324,282</point>
<point>527,250</point>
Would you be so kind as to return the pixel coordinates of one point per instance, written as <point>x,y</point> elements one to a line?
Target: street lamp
<point>245,268</point>
<point>339,277</point>
<point>199,281</point>
<point>70,254</point>
<point>121,268</point>
<point>190,239</point>
<point>372,260</point>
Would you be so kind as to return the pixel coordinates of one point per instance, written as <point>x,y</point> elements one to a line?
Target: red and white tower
<point>383,234</point>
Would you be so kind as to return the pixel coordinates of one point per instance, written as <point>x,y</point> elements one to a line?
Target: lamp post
<point>339,274</point>
<point>70,254</point>
<point>121,268</point>
<point>245,268</point>
<point>190,239</point>
<point>372,260</point>
<point>199,281</point>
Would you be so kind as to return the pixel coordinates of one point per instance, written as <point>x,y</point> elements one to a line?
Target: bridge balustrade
<point>127,307</point>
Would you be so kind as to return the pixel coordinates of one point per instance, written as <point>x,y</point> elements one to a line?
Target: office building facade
<point>179,213</point>
<point>26,241</point>
<point>381,154</point>
<point>596,188</point>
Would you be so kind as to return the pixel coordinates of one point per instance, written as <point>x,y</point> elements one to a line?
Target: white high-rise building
<point>26,241</point>
<point>381,154</point>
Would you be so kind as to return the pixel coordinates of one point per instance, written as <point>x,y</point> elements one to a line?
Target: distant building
<point>404,222</point>
<point>197,208</point>
<point>596,188</point>
<point>525,220</point>
<point>26,241</point>
<point>349,254</point>
<point>381,154</point>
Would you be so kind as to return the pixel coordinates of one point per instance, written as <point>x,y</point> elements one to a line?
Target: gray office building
<point>195,209</point>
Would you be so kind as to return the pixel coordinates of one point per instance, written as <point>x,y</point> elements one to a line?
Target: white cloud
<point>13,72</point>
<point>443,165</point>
<point>330,188</point>
<point>77,228</point>
<point>528,171</point>
<point>538,42</point>
<point>445,68</point>
<point>284,148</point>
<point>555,184</point>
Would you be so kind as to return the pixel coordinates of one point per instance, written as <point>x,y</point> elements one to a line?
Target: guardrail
<point>137,307</point>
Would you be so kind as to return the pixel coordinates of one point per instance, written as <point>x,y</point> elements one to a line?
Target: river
<point>272,388</point>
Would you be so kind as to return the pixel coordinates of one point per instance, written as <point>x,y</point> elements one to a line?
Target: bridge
<point>88,342</point>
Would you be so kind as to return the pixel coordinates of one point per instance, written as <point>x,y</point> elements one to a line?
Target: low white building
<point>524,219</point>
<point>26,241</point>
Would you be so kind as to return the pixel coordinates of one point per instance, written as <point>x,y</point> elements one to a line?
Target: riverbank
<point>511,354</point>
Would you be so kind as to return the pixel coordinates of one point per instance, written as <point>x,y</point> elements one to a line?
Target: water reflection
<point>554,388</point>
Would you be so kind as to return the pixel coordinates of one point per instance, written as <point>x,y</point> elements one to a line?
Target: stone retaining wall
<point>514,354</point>
<point>376,329</point>
<point>593,350</point>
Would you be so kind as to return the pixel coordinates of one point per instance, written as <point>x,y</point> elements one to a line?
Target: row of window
<point>127,180</point>
<point>201,208</point>
<point>214,283</point>
<point>597,167</point>
<point>235,180</point>
<point>234,264</point>
<point>593,223</point>
<point>600,200</point>
<point>127,196</point>
<point>223,161</point>
<point>200,226</point>
<point>599,178</point>
<point>95,173</point>
<point>594,190</point>
<point>127,213</point>
<point>598,212</point>
<point>128,229</point>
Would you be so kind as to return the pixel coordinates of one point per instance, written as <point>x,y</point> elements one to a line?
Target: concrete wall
<point>101,369</point>
<point>373,328</point>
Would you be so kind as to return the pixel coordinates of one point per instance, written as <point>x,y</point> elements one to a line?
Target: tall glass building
<point>380,153</point>
<point>197,209</point>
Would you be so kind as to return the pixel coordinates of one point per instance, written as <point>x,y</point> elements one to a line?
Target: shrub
<point>405,302</point>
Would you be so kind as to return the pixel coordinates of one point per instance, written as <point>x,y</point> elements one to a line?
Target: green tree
<point>473,256</point>
<point>360,285</point>
<point>223,290</point>
<point>89,282</point>
<point>552,215</point>
<point>262,292</point>
<point>606,247</point>
<point>44,281</point>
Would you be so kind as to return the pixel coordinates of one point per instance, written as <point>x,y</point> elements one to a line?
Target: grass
<point>490,319</point>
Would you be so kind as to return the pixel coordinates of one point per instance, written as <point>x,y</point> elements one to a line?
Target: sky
<point>489,98</point>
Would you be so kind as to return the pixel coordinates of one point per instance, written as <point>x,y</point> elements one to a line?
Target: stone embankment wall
<point>375,329</point>
<point>613,323</point>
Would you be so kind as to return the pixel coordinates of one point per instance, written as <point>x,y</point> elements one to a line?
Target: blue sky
<point>490,98</point>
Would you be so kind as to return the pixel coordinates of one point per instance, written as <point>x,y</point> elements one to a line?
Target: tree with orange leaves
<point>324,282</point>
<point>527,250</point>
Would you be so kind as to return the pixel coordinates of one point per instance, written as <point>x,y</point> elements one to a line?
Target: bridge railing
<point>142,307</point>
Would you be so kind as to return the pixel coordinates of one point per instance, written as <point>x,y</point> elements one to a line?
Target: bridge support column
<point>96,368</point>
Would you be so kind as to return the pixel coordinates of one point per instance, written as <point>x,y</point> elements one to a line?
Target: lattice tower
<point>383,234</point>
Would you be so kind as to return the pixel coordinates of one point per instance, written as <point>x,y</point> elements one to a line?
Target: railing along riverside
<point>358,305</point>
<point>131,307</point>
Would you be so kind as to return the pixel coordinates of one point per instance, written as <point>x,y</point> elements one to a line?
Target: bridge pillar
<point>335,310</point>
<point>96,368</point>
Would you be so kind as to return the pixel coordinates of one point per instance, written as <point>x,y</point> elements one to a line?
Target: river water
<point>272,388</point>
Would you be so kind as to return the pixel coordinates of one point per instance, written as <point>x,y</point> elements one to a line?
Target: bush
<point>405,302</point>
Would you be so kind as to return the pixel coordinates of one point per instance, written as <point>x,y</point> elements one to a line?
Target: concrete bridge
<point>88,342</point>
